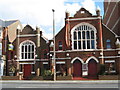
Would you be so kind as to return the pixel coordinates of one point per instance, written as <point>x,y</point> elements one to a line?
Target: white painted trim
<point>76,19</point>
<point>27,63</point>
<point>78,59</point>
<point>60,62</point>
<point>33,35</point>
<point>109,61</point>
<point>20,72</point>
<point>110,57</point>
<point>28,35</point>
<point>32,72</point>
<point>92,57</point>
<point>112,71</point>
<point>63,58</point>
<point>85,50</point>
<point>20,57</point>
<point>26,60</point>
<point>95,39</point>
<point>45,62</point>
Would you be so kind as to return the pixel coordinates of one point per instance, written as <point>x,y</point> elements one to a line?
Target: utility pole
<point>54,63</point>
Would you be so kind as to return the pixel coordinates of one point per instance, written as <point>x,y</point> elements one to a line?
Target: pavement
<point>62,81</point>
<point>60,84</point>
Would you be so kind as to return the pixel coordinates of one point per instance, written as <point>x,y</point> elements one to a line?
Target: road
<point>59,84</point>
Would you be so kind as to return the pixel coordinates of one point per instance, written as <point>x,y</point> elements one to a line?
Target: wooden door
<point>77,68</point>
<point>92,68</point>
<point>27,70</point>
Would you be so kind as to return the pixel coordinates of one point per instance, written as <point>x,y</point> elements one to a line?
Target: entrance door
<point>92,68</point>
<point>27,70</point>
<point>77,68</point>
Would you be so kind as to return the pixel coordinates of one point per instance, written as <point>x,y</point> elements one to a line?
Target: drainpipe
<point>101,41</point>
<point>18,45</point>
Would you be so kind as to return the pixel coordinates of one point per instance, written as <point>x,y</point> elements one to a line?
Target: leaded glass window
<point>27,50</point>
<point>84,37</point>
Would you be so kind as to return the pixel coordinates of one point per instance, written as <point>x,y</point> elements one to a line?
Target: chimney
<point>67,14</point>
<point>98,12</point>
<point>40,33</point>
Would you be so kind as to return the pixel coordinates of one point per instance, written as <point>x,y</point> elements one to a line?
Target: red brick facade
<point>101,54</point>
<point>82,46</point>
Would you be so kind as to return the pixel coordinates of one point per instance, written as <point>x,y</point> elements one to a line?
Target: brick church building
<point>82,46</point>
<point>27,54</point>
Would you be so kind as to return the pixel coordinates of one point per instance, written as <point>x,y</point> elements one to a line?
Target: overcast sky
<point>39,12</point>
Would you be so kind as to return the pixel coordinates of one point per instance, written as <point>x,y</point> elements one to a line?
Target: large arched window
<point>83,36</point>
<point>27,50</point>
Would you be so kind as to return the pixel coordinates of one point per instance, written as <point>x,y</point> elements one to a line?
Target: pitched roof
<point>28,30</point>
<point>7,23</point>
<point>82,13</point>
<point>12,29</point>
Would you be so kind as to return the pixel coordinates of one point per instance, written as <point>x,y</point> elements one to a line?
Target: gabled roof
<point>28,30</point>
<point>12,29</point>
<point>7,23</point>
<point>82,13</point>
<point>47,41</point>
<point>110,30</point>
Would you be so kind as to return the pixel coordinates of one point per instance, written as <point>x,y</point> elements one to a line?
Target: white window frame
<point>29,43</point>
<point>95,38</point>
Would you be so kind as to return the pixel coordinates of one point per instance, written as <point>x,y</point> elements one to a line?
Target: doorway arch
<point>92,67</point>
<point>77,67</point>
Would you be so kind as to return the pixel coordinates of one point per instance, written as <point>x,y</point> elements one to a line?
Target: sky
<point>39,12</point>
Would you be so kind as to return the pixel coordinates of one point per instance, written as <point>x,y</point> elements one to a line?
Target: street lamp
<point>54,63</point>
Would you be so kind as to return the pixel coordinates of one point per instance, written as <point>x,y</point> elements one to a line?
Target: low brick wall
<point>10,77</point>
<point>108,77</point>
<point>64,77</point>
<point>35,78</point>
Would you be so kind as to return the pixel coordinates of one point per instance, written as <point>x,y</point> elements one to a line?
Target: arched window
<point>108,43</point>
<point>27,50</point>
<point>84,37</point>
<point>60,45</point>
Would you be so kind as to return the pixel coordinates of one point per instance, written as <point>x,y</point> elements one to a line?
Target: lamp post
<point>54,61</point>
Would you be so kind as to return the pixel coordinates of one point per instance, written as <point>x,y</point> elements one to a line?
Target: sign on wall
<point>85,69</point>
<point>85,66</point>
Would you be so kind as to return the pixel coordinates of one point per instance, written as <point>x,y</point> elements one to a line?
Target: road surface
<point>60,84</point>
